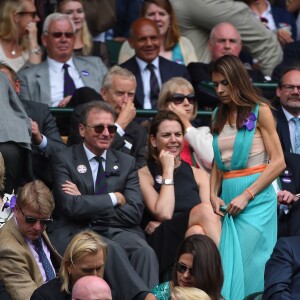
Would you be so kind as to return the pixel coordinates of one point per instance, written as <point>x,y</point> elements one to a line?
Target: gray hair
<point>116,71</point>
<point>57,17</point>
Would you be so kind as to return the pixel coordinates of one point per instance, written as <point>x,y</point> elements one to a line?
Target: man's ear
<point>104,93</point>
<point>81,128</point>
<point>278,91</point>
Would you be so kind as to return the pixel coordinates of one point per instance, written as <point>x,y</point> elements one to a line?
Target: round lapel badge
<point>81,169</point>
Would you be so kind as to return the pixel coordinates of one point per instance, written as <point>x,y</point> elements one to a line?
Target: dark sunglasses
<point>179,98</point>
<point>32,13</point>
<point>59,34</point>
<point>100,128</point>
<point>181,268</point>
<point>33,220</point>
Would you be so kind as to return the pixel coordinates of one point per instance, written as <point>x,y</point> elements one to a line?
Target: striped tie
<point>297,134</point>
<point>100,184</point>
<point>154,86</point>
<point>69,85</point>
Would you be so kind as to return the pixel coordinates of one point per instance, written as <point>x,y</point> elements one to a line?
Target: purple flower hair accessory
<point>249,123</point>
<point>11,203</point>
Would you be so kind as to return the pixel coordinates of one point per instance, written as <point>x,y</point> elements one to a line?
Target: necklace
<point>13,52</point>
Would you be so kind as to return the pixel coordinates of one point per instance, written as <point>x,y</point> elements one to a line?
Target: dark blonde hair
<point>82,244</point>
<point>169,88</point>
<point>8,26</point>
<point>37,196</point>
<point>86,35</point>
<point>207,264</point>
<point>173,33</point>
<point>243,94</point>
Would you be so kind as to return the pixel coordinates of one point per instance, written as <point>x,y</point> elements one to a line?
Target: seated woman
<point>177,95</point>
<point>18,33</point>
<point>85,255</point>
<point>173,46</point>
<point>176,195</point>
<point>198,264</point>
<point>84,44</point>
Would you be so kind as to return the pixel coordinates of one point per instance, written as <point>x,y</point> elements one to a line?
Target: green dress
<point>248,239</point>
<point>162,291</point>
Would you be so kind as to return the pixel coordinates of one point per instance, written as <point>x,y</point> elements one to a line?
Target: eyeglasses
<point>32,13</point>
<point>182,268</point>
<point>33,220</point>
<point>59,34</point>
<point>100,128</point>
<point>179,98</point>
<point>290,87</point>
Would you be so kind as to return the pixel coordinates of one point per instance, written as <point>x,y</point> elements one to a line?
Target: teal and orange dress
<point>248,239</point>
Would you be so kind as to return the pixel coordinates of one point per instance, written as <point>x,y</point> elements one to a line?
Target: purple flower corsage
<point>249,123</point>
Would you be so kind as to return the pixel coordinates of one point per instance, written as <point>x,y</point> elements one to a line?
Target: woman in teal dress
<point>248,157</point>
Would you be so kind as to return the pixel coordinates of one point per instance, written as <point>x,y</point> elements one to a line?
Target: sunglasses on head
<point>179,98</point>
<point>59,34</point>
<point>182,268</point>
<point>33,220</point>
<point>100,128</point>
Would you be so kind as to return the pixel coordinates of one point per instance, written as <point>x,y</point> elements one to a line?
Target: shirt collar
<point>90,155</point>
<point>288,115</point>
<point>57,66</point>
<point>143,65</point>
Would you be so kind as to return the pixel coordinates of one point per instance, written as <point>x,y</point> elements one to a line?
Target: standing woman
<point>247,158</point>
<point>18,33</point>
<point>84,44</point>
<point>173,46</point>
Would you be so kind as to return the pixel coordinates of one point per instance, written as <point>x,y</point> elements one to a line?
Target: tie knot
<point>37,242</point>
<point>150,67</point>
<point>296,120</point>
<point>98,159</point>
<point>66,66</point>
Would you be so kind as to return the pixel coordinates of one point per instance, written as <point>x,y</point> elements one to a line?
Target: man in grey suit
<point>14,137</point>
<point>44,82</point>
<point>111,206</point>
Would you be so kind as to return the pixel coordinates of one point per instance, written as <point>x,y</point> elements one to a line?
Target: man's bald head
<point>145,39</point>
<point>224,39</point>
<point>91,288</point>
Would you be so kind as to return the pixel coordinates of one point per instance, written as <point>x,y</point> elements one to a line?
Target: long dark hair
<point>207,264</point>
<point>242,92</point>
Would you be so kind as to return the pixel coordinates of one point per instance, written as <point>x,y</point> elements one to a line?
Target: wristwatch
<point>167,181</point>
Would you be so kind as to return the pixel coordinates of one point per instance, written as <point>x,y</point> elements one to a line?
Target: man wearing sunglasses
<point>55,80</point>
<point>23,267</point>
<point>97,187</point>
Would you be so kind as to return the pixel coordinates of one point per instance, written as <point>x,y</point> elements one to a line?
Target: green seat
<point>113,50</point>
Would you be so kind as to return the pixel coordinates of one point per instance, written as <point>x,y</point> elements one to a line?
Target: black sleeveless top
<point>185,186</point>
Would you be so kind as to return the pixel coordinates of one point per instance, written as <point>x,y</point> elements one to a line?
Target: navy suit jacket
<point>282,272</point>
<point>167,69</point>
<point>281,15</point>
<point>74,213</point>
<point>40,113</point>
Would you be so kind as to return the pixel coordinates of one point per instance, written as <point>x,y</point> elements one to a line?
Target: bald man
<point>91,288</point>
<point>224,40</point>
<point>145,40</point>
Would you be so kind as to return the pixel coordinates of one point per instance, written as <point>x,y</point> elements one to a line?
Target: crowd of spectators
<point>103,202</point>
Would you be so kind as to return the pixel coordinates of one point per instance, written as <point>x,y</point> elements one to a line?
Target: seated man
<point>54,80</point>
<point>282,272</point>
<point>27,258</point>
<point>118,89</point>
<point>224,39</point>
<point>287,115</point>
<point>97,187</point>
<point>45,138</point>
<point>150,69</point>
<point>90,288</point>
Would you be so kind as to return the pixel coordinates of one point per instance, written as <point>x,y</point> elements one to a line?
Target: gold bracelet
<point>251,194</point>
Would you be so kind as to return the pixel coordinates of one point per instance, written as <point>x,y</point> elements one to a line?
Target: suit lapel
<point>283,130</point>
<point>112,169</point>
<point>43,80</point>
<point>81,162</point>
